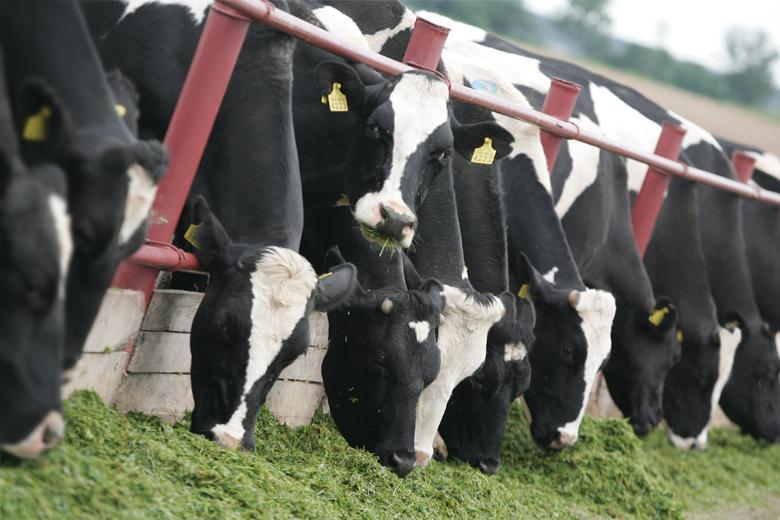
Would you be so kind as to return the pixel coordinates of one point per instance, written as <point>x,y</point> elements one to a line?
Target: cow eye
<point>374,131</point>
<point>441,156</point>
<point>568,350</point>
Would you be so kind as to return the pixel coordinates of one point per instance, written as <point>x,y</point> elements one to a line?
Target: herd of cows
<point>453,283</point>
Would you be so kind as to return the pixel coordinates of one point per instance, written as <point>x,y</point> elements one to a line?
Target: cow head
<point>35,250</point>
<point>381,355</point>
<point>406,135</point>
<point>112,183</point>
<point>751,397</point>
<point>646,348</point>
<point>473,424</point>
<point>253,322</point>
<point>572,343</point>
<point>694,385</point>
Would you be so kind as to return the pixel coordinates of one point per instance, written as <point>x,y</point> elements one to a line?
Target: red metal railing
<point>213,63</point>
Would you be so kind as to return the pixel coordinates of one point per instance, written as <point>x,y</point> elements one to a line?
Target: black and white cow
<point>557,411</point>
<point>35,249</point>
<point>473,424</point>
<point>111,176</point>
<point>382,350</point>
<point>610,105</point>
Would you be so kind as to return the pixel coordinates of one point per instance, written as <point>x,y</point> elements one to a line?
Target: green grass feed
<point>117,466</point>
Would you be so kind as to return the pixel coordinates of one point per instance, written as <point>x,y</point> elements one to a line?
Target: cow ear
<point>510,305</point>
<point>412,278</point>
<point>329,73</point>
<point>534,286</point>
<point>469,137</point>
<point>45,125</point>
<point>526,313</point>
<point>206,233</point>
<point>435,290</point>
<point>335,288</point>
<point>332,258</point>
<point>664,315</point>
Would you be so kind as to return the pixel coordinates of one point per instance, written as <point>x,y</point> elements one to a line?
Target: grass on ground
<point>116,466</point>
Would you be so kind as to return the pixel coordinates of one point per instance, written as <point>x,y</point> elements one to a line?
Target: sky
<point>688,29</point>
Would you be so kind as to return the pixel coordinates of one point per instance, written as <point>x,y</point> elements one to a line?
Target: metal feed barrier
<point>212,66</point>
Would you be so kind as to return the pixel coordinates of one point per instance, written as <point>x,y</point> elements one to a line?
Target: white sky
<point>689,29</point>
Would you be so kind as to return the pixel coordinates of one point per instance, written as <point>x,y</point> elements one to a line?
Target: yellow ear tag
<point>35,126</point>
<point>324,275</point>
<point>485,154</point>
<point>524,292</point>
<point>657,317</point>
<point>680,336</point>
<point>337,101</point>
<point>732,325</point>
<point>121,111</point>
<point>191,236</point>
<point>343,201</point>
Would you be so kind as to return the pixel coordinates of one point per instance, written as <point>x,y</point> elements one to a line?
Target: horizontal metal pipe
<point>266,13</point>
<point>165,256</point>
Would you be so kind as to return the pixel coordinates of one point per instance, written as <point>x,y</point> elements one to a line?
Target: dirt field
<point>722,119</point>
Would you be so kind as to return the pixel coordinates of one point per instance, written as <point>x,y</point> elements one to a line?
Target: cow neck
<point>481,219</point>
<point>675,259</point>
<point>724,243</point>
<point>437,251</point>
<point>761,227</point>
<point>80,83</point>
<point>532,225</point>
<point>8,139</point>
<point>250,166</point>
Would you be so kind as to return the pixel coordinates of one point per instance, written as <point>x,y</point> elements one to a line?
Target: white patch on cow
<point>729,341</point>
<point>197,8</point>
<point>419,105</point>
<point>694,134</point>
<point>621,121</point>
<point>387,306</point>
<point>62,230</point>
<point>767,163</point>
<point>514,352</point>
<point>463,346</point>
<point>465,274</point>
<point>282,284</point>
<point>141,190</point>
<point>421,330</point>
<point>458,30</point>
<point>526,135</point>
<point>550,276</point>
<point>597,310</point>
<point>341,25</point>
<point>378,39</point>
<point>584,170</point>
<point>777,343</point>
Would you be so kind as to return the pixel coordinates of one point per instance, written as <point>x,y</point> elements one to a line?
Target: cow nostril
<point>52,435</point>
<point>401,462</point>
<point>383,212</point>
<point>489,466</point>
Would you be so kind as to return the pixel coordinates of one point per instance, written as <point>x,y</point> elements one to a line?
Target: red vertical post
<point>648,203</point>
<point>425,45</point>
<point>559,102</point>
<point>743,164</point>
<point>189,129</point>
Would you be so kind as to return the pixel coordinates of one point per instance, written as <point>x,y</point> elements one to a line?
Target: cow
<point>557,412</point>
<point>36,246</point>
<point>472,427</point>
<point>382,350</point>
<point>112,177</point>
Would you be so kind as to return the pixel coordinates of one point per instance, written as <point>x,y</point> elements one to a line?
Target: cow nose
<point>401,462</point>
<point>399,226</point>
<point>45,436</point>
<point>642,427</point>
<point>489,466</point>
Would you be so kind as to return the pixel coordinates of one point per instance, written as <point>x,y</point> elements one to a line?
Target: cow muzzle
<point>400,462</point>
<point>388,223</point>
<point>46,436</point>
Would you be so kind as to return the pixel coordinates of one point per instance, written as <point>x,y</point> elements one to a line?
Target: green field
<point>116,466</point>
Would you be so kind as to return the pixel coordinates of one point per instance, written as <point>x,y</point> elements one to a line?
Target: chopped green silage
<point>115,466</point>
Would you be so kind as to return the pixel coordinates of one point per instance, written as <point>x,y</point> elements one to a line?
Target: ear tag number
<point>191,236</point>
<point>35,126</point>
<point>121,111</point>
<point>337,101</point>
<point>485,154</point>
<point>524,292</point>
<point>657,317</point>
<point>680,336</point>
